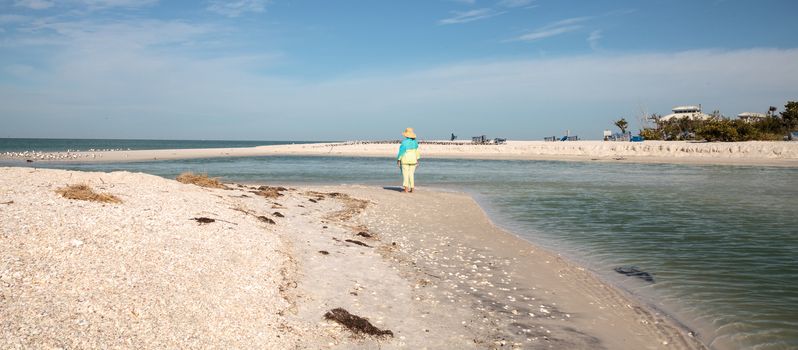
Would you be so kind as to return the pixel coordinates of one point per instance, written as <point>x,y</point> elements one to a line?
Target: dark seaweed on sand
<point>357,242</point>
<point>204,220</point>
<point>266,220</point>
<point>356,324</point>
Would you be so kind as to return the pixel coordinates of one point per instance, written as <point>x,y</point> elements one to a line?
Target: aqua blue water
<point>720,241</point>
<point>61,145</point>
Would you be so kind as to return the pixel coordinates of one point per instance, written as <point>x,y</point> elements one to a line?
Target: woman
<point>408,159</point>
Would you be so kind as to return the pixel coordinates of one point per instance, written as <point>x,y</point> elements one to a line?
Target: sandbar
<point>428,266</point>
<point>764,153</point>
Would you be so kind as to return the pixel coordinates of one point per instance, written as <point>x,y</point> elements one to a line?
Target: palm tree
<point>622,124</point>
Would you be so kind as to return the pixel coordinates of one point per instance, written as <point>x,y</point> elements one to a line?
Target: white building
<point>690,112</point>
<point>751,117</point>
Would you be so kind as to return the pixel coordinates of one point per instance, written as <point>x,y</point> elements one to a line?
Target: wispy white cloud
<point>546,33</point>
<point>35,4</point>
<point>569,21</point>
<point>237,8</point>
<point>101,4</point>
<point>557,28</point>
<point>470,16</point>
<point>7,19</point>
<point>593,39</point>
<point>83,4</point>
<point>98,35</point>
<point>515,3</point>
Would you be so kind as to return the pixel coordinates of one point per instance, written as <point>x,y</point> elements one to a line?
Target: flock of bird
<point>68,155</point>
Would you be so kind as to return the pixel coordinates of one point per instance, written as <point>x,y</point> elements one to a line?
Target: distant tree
<point>770,128</point>
<point>651,134</point>
<point>790,116</point>
<point>655,118</point>
<point>772,110</point>
<point>745,131</point>
<point>622,124</point>
<point>717,130</point>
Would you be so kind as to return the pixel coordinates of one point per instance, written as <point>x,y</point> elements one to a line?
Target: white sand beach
<point>430,267</point>
<point>771,153</point>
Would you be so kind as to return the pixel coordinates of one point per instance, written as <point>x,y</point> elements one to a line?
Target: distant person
<point>408,159</point>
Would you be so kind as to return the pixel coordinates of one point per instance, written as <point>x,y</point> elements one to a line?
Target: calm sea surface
<point>720,241</point>
<point>61,145</point>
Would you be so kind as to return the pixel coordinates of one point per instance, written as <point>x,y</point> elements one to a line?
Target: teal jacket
<point>407,145</point>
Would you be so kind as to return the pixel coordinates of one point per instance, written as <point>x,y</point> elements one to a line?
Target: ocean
<point>721,242</point>
<point>62,145</point>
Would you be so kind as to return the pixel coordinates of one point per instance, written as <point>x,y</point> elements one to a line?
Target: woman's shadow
<point>394,188</point>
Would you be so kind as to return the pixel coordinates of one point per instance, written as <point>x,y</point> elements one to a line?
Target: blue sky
<point>322,70</point>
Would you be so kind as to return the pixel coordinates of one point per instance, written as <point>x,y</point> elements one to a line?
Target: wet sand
<point>428,266</point>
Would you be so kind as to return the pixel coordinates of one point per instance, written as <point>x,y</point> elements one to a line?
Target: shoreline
<point>454,278</point>
<point>604,277</point>
<point>751,153</point>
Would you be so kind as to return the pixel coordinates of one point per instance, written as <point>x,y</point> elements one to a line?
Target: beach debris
<point>324,252</point>
<point>269,191</point>
<point>357,242</point>
<point>201,180</point>
<point>85,193</point>
<point>247,211</point>
<point>365,234</point>
<point>423,282</point>
<point>278,214</point>
<point>352,208</point>
<point>9,202</point>
<point>29,160</point>
<point>203,220</point>
<point>633,271</point>
<point>266,220</point>
<point>313,200</point>
<point>356,324</point>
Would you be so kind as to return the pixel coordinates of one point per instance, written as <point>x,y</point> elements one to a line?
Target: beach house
<point>689,112</point>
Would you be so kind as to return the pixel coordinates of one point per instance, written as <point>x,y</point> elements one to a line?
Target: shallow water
<point>720,241</point>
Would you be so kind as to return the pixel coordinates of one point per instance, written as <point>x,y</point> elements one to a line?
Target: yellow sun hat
<point>409,133</point>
